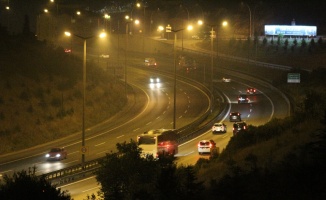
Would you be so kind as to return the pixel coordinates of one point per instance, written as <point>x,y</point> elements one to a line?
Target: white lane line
<point>120,136</point>
<point>91,189</point>
<point>76,182</point>
<point>101,152</point>
<point>74,152</point>
<point>136,129</point>
<point>188,153</point>
<point>99,144</point>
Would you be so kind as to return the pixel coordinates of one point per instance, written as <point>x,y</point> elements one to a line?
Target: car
<point>235,117</point>
<point>226,80</point>
<point>206,146</point>
<point>238,127</point>
<point>151,62</point>
<point>251,90</point>
<point>195,37</point>
<point>154,82</point>
<point>56,153</point>
<point>219,128</point>
<point>67,50</point>
<point>104,56</point>
<point>243,98</point>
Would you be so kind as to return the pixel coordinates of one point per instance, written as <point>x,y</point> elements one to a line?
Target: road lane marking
<point>99,144</point>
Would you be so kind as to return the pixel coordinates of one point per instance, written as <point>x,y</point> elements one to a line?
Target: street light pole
<point>249,18</point>
<point>127,46</point>
<point>84,98</point>
<point>125,68</point>
<point>212,64</point>
<point>175,75</point>
<point>83,147</point>
<point>175,80</point>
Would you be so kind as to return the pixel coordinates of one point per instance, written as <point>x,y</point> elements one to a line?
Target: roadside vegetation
<point>42,93</point>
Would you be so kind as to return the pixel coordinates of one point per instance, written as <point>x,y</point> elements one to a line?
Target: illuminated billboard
<point>290,30</point>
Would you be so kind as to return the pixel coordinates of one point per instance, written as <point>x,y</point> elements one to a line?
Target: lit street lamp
<point>101,35</point>
<point>224,23</point>
<point>175,72</point>
<point>251,16</point>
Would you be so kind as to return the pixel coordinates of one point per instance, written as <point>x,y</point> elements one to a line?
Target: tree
<point>23,185</point>
<point>126,175</point>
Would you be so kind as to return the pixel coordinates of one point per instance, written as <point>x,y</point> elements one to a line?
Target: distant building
<point>293,30</point>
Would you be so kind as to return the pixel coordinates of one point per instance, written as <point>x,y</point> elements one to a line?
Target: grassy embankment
<point>42,94</point>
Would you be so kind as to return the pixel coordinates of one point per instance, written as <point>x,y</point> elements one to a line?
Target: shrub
<point>30,109</point>
<point>56,102</point>
<point>24,96</point>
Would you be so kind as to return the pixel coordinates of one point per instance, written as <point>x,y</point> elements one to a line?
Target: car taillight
<point>244,127</point>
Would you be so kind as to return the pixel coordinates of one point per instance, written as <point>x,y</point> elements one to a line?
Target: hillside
<point>41,93</point>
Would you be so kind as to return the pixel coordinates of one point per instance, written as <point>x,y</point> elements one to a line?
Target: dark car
<point>242,98</point>
<point>251,90</point>
<point>235,117</point>
<point>238,127</point>
<point>56,154</point>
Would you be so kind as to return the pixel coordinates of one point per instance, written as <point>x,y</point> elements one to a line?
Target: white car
<point>226,80</point>
<point>154,82</point>
<point>206,146</point>
<point>105,56</point>
<point>219,128</point>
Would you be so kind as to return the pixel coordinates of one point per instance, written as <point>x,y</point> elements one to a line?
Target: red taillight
<point>244,127</point>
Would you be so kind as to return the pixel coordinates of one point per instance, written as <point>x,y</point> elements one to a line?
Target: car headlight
<point>58,155</point>
<point>47,155</point>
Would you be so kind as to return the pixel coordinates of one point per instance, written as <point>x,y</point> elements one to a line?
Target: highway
<point>263,106</point>
<point>153,108</point>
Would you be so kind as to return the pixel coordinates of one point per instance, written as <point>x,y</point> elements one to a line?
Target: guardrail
<point>72,173</point>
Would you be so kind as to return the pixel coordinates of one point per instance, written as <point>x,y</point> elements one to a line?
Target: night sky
<point>312,12</point>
